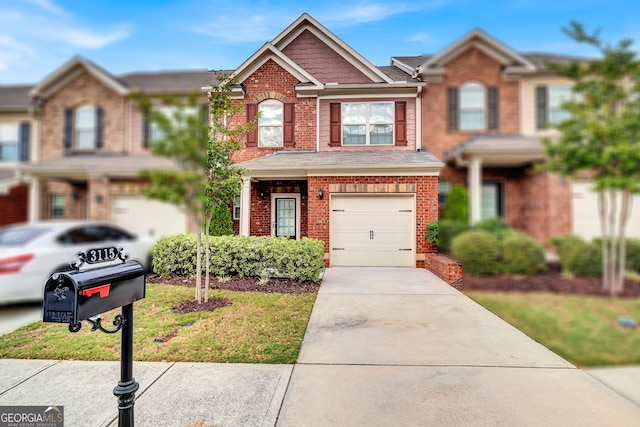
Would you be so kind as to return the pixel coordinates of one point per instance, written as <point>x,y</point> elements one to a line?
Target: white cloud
<point>421,38</point>
<point>49,6</point>
<point>86,38</point>
<point>234,30</point>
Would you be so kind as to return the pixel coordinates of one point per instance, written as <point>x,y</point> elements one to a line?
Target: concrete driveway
<point>399,347</point>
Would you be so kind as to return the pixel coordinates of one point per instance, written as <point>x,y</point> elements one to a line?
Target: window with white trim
<point>85,127</point>
<point>56,206</point>
<point>236,207</point>
<point>472,106</point>
<point>9,142</point>
<point>367,123</point>
<point>177,118</point>
<point>270,123</point>
<point>556,97</point>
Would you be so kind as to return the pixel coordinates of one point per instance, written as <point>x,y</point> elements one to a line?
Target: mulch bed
<point>238,284</point>
<point>551,281</point>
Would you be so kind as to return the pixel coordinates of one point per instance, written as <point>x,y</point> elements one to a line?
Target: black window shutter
<point>99,127</point>
<point>492,106</point>
<point>452,107</point>
<point>335,124</point>
<point>541,107</point>
<point>146,129</point>
<point>25,131</point>
<point>289,125</point>
<point>68,128</point>
<point>252,137</point>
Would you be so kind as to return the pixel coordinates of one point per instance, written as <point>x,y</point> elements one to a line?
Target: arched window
<point>270,123</point>
<point>472,106</point>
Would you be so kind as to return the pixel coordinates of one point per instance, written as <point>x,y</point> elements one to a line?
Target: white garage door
<point>586,223</point>
<point>148,217</point>
<point>372,231</point>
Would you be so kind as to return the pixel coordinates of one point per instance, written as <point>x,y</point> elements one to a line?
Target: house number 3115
<point>101,255</point>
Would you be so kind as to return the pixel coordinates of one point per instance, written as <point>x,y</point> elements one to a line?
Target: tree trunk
<point>625,213</point>
<point>198,262</point>
<point>206,267</point>
<point>602,213</point>
<point>613,243</point>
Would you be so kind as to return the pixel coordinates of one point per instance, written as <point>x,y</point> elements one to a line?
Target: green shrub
<point>175,255</point>
<point>495,226</point>
<point>562,246</point>
<point>632,258</point>
<point>478,251</point>
<point>633,255</point>
<point>221,222</point>
<point>300,260</point>
<point>432,233</point>
<point>457,205</point>
<point>521,254</point>
<point>584,259</point>
<point>447,230</point>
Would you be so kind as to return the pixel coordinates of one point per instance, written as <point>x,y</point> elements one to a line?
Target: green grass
<point>256,328</point>
<point>582,329</point>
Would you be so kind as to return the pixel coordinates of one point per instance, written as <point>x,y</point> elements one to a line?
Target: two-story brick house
<point>17,135</point>
<point>93,142</point>
<point>337,154</point>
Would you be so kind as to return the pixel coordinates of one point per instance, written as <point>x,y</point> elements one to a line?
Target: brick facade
<point>536,203</point>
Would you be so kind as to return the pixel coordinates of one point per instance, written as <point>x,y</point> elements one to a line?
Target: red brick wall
<point>14,206</point>
<point>260,217</point>
<point>426,204</point>
<point>321,61</point>
<point>272,81</point>
<point>472,65</point>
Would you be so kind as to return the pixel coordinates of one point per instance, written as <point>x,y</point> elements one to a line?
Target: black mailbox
<point>70,297</point>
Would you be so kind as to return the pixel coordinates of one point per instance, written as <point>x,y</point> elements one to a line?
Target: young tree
<point>224,179</point>
<point>602,138</point>
<point>193,130</point>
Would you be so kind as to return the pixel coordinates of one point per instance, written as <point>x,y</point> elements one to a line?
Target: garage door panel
<point>147,217</point>
<point>372,231</point>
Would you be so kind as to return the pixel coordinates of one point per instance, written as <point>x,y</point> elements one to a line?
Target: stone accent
<point>271,95</point>
<point>445,268</point>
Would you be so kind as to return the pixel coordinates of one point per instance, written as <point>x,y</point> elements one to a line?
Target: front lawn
<point>582,329</point>
<point>256,328</point>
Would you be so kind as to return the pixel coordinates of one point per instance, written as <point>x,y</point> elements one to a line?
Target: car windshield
<point>16,236</point>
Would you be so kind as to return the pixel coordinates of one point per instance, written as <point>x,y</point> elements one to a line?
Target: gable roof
<point>308,23</point>
<point>512,60</point>
<point>15,98</point>
<point>169,81</point>
<point>70,70</point>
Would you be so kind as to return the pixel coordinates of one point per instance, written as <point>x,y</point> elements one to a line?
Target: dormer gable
<point>434,67</point>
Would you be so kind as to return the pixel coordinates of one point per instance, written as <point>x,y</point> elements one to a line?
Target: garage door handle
<point>338,210</point>
<point>404,249</point>
<point>337,249</point>
<point>405,210</point>
<point>371,235</point>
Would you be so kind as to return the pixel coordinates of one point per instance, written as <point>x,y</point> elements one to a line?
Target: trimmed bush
<point>521,254</point>
<point>633,255</point>
<point>299,260</point>
<point>175,255</point>
<point>432,233</point>
<point>457,205</point>
<point>447,230</point>
<point>495,226</point>
<point>584,259</point>
<point>478,251</point>
<point>221,222</point>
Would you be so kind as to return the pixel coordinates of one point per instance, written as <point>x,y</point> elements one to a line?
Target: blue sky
<point>37,36</point>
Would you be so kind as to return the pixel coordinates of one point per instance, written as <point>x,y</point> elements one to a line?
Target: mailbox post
<point>71,297</point>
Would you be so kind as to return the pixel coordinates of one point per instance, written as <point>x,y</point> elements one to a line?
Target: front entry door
<point>285,215</point>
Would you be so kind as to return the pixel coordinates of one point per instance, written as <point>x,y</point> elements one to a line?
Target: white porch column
<point>34,199</point>
<point>475,190</point>
<point>245,206</point>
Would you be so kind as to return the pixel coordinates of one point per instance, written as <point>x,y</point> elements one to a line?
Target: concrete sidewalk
<point>384,347</point>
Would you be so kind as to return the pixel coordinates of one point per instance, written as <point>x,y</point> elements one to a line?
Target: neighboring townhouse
<point>337,154</point>
<point>485,112</point>
<point>93,142</point>
<point>18,130</point>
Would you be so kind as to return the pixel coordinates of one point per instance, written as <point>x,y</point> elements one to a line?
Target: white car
<point>31,253</point>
